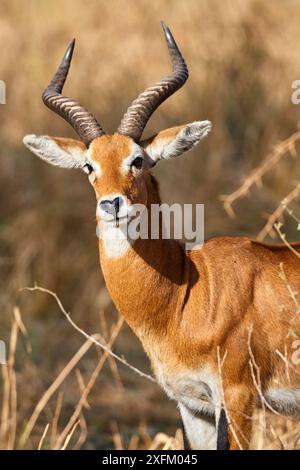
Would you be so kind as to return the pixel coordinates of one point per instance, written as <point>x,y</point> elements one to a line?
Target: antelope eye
<point>137,163</point>
<point>88,169</point>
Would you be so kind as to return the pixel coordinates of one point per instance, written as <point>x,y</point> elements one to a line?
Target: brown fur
<point>187,304</point>
<point>184,305</point>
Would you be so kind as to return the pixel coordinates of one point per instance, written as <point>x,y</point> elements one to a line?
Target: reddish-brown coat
<point>184,305</point>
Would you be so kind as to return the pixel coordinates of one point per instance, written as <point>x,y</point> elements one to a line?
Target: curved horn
<point>80,119</point>
<point>138,114</point>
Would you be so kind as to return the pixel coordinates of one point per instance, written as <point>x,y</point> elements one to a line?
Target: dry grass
<point>242,59</point>
<point>271,431</point>
<point>73,434</point>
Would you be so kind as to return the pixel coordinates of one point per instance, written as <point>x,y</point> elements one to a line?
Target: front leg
<point>239,402</point>
<point>199,428</point>
<point>186,442</point>
<point>223,431</point>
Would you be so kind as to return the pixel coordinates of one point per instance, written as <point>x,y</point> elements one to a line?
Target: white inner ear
<point>173,146</point>
<point>47,149</point>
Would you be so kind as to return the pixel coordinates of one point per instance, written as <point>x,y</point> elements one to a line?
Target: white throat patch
<point>115,242</point>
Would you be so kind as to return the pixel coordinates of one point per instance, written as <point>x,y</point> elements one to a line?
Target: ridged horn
<point>139,112</point>
<point>80,119</point>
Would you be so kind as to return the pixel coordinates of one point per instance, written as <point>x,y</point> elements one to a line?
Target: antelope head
<point>117,165</point>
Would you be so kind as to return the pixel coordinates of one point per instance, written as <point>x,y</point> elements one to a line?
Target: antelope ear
<point>175,141</point>
<point>58,151</point>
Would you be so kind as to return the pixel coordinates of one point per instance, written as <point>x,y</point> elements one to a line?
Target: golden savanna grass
<point>243,57</point>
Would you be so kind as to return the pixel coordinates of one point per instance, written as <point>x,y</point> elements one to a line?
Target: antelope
<point>204,317</point>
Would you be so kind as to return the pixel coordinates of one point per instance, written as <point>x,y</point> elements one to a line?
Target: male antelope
<point>185,306</point>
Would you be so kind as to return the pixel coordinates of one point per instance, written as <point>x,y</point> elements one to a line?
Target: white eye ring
<point>87,168</point>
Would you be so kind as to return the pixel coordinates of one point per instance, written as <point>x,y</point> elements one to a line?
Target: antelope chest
<point>197,390</point>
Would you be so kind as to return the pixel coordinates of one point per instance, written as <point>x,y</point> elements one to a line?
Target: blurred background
<point>243,56</point>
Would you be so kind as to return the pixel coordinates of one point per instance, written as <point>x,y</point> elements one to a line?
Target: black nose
<point>111,206</point>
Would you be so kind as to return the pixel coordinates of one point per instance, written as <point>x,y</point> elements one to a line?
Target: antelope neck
<point>149,281</point>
